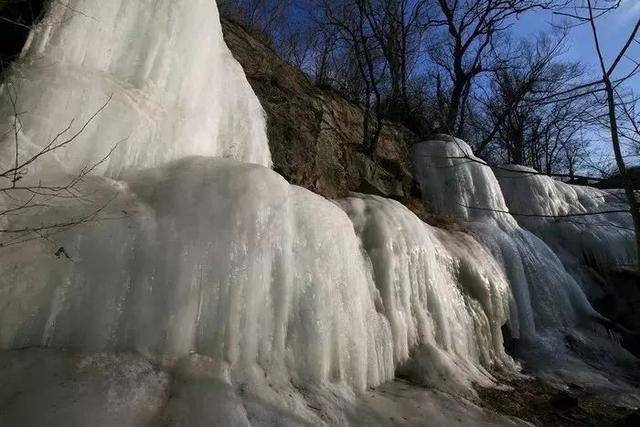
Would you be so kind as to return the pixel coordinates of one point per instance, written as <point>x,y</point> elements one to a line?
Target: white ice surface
<point>562,215</point>
<point>58,388</point>
<point>443,294</point>
<point>214,257</point>
<point>457,184</point>
<point>559,332</point>
<point>175,88</point>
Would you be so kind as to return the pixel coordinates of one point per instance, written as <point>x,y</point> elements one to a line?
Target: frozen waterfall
<point>208,286</point>
<point>563,216</point>
<point>169,86</point>
<point>456,183</point>
<point>540,256</point>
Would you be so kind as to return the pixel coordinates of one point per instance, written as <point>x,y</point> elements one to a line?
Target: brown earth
<point>534,401</point>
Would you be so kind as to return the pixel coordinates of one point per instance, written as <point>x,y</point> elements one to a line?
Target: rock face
<point>315,135</point>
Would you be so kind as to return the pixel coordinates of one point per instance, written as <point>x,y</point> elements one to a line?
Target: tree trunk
<point>454,107</point>
<point>628,184</point>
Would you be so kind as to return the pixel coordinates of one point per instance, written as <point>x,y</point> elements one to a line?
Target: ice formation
<point>225,260</point>
<point>445,306</point>
<point>210,288</point>
<point>213,257</point>
<point>546,294</point>
<point>555,212</point>
<point>159,68</point>
<point>552,307</point>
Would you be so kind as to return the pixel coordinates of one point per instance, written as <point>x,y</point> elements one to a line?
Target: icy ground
<point>48,387</point>
<point>209,290</point>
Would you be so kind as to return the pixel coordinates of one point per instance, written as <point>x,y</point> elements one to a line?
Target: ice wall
<point>552,210</point>
<point>547,296</point>
<point>455,183</point>
<point>168,84</point>
<point>227,260</point>
<point>225,265</point>
<point>563,216</point>
<point>213,257</point>
<point>443,294</point>
<point>560,336</point>
<point>210,256</point>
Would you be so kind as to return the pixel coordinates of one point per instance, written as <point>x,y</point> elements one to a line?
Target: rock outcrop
<point>315,135</point>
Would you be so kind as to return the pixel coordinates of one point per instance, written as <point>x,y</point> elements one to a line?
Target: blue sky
<point>613,30</point>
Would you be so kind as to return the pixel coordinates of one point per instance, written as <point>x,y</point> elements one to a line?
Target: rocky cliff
<point>315,135</point>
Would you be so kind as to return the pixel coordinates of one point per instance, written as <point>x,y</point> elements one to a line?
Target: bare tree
<point>22,195</point>
<point>267,19</point>
<point>517,127</point>
<point>398,27</point>
<point>472,47</point>
<point>606,91</point>
<point>356,43</point>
